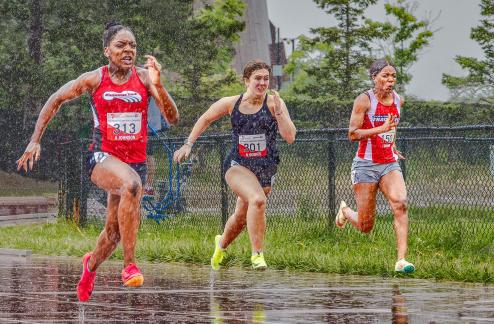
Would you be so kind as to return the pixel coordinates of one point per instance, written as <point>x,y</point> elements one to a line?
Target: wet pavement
<point>39,289</point>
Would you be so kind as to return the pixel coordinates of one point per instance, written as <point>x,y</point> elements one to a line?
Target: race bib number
<point>124,126</point>
<point>388,138</point>
<point>250,146</point>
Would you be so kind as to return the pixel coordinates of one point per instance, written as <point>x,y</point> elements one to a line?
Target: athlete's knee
<point>258,200</point>
<point>132,187</point>
<point>400,205</point>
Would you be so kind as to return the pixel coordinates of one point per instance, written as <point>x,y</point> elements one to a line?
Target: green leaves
<point>336,58</point>
<point>478,83</point>
<point>191,46</point>
<point>406,39</point>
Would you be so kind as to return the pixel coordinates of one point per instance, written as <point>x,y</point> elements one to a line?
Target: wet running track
<point>42,289</point>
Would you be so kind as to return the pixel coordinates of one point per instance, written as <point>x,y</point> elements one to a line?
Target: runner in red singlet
<point>375,116</point>
<point>117,160</point>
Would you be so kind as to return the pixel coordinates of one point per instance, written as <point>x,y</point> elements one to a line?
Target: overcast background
<point>457,17</point>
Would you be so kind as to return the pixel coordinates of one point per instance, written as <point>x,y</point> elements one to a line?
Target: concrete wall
<point>255,39</point>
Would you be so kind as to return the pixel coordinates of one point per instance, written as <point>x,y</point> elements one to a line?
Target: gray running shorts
<point>365,171</point>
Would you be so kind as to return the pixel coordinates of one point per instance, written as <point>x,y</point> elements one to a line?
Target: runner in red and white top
<point>117,163</point>
<point>375,116</point>
<point>120,117</point>
<point>380,148</point>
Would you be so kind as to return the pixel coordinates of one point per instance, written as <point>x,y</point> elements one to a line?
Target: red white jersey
<point>120,118</point>
<point>379,148</point>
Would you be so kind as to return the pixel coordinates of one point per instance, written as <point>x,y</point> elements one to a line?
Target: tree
<point>478,84</point>
<point>346,48</point>
<point>47,43</point>
<point>207,45</point>
<point>407,39</point>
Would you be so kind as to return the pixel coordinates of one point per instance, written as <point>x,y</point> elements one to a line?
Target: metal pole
<point>278,56</point>
<point>224,186</point>
<point>293,50</point>
<point>331,158</point>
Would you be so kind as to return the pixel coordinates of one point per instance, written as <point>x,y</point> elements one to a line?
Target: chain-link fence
<point>449,173</point>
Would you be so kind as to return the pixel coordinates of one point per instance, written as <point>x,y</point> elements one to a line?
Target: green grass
<point>442,247</point>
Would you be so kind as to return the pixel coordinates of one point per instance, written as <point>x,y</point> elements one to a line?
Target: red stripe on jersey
<point>120,118</point>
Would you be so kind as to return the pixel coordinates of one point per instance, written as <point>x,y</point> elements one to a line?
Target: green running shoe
<point>404,266</point>
<point>258,262</point>
<point>218,254</point>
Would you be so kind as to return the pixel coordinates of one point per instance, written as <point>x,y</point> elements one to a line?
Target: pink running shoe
<point>132,276</point>
<point>86,284</point>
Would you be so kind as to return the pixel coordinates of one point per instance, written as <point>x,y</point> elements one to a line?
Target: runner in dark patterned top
<point>256,119</point>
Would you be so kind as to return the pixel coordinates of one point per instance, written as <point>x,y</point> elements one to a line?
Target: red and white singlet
<point>120,118</point>
<point>379,148</point>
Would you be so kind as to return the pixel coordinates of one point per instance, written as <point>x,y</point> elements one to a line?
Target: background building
<point>259,40</point>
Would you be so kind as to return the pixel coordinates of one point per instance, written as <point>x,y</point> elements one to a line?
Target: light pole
<point>292,41</point>
<point>278,56</point>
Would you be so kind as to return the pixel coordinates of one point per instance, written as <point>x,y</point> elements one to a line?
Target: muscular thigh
<point>112,174</point>
<point>392,185</point>
<point>243,182</point>
<point>242,205</point>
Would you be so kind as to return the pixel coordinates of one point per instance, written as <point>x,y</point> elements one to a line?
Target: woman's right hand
<point>389,124</point>
<point>31,154</point>
<point>182,153</point>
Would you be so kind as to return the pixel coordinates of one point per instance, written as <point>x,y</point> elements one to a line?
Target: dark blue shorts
<point>98,157</point>
<point>264,173</point>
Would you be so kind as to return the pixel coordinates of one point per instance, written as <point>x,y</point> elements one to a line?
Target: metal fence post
<point>84,185</point>
<point>404,150</point>
<point>62,185</point>
<point>224,187</point>
<point>331,158</point>
<point>72,183</point>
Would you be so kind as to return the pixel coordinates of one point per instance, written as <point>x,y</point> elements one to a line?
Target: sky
<point>456,18</point>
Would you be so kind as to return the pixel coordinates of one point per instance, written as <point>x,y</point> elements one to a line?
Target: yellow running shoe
<point>258,262</point>
<point>340,219</point>
<point>218,254</point>
<point>404,266</point>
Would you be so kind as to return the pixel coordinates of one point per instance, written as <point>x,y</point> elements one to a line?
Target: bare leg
<point>365,196</point>
<point>393,187</point>
<point>245,184</point>
<point>109,237</point>
<point>237,221</point>
<point>235,224</point>
<point>120,179</point>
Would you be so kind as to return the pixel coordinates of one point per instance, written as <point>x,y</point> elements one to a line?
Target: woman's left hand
<point>154,69</point>
<point>400,156</point>
<point>278,110</point>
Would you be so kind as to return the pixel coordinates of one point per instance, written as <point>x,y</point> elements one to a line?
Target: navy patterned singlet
<point>254,136</point>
